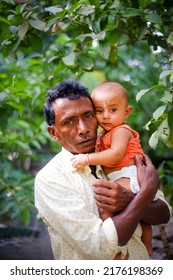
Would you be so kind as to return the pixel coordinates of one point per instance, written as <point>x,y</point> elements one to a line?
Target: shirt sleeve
<point>160,195</point>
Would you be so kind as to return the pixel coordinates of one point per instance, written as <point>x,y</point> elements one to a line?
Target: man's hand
<point>111,196</point>
<point>147,175</point>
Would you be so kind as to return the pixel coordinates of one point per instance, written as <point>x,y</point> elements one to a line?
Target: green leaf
<point>130,12</point>
<point>153,141</point>
<point>115,4</point>
<point>69,59</point>
<point>22,30</point>
<point>154,18</point>
<point>22,145</point>
<point>38,24</point>
<point>162,134</point>
<point>99,36</point>
<point>63,25</point>
<point>103,22</point>
<point>165,73</point>
<point>25,216</point>
<point>104,50</point>
<point>144,3</point>
<point>36,144</point>
<point>171,78</point>
<point>18,107</point>
<point>95,3</point>
<point>141,93</point>
<point>170,39</point>
<point>85,61</point>
<point>2,19</point>
<point>53,9</point>
<point>163,131</point>
<point>82,37</point>
<point>170,118</point>
<point>159,112</point>
<point>169,142</point>
<point>167,97</point>
<point>86,10</point>
<point>21,124</point>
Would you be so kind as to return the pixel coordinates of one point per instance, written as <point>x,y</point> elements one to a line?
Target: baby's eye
<point>113,110</point>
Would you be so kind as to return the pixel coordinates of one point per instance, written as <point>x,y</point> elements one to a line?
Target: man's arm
<point>137,207</point>
<point>156,213</point>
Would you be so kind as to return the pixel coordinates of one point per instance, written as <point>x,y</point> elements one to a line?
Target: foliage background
<point>44,42</point>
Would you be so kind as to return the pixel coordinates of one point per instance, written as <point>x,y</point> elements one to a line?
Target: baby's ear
<point>128,111</point>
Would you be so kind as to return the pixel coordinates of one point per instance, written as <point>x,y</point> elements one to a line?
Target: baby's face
<point>111,108</point>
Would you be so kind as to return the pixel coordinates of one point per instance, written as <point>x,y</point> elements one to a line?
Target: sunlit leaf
<point>86,10</point>
<point>69,59</point>
<point>165,73</point>
<point>141,93</point>
<point>23,29</point>
<point>159,112</point>
<point>153,141</point>
<point>53,9</point>
<point>38,24</point>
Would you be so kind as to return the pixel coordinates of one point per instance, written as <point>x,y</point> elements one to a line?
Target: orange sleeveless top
<point>134,147</point>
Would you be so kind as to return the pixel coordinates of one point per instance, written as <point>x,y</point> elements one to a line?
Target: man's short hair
<point>70,89</point>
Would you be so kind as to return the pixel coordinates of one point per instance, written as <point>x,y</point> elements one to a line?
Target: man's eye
<point>89,115</point>
<point>98,111</point>
<point>69,123</point>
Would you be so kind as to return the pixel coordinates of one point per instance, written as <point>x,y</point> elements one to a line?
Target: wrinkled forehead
<point>68,107</point>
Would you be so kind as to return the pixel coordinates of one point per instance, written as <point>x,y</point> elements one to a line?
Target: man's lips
<point>85,141</point>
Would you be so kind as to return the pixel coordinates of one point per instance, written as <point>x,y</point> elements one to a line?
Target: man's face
<point>75,125</point>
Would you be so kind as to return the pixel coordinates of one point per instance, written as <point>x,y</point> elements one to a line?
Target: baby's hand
<point>79,161</point>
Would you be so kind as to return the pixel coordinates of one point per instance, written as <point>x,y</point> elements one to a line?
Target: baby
<point>117,144</point>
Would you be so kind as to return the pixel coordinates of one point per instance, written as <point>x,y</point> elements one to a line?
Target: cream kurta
<point>64,198</point>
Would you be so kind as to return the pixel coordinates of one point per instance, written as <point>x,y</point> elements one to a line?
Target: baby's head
<point>109,90</point>
<point>111,104</point>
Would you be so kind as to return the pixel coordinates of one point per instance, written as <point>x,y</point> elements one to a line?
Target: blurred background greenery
<point>44,42</point>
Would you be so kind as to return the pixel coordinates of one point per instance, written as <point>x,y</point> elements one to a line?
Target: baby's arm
<point>120,139</point>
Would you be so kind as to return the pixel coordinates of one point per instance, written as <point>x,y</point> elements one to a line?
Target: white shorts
<point>126,172</point>
<point>129,172</point>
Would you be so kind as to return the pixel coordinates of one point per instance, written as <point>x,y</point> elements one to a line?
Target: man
<point>66,198</point>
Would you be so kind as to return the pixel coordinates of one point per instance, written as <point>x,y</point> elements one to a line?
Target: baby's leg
<point>119,257</point>
<point>147,237</point>
<point>124,182</point>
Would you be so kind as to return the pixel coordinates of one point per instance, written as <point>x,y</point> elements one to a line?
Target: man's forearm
<point>156,213</point>
<point>127,221</point>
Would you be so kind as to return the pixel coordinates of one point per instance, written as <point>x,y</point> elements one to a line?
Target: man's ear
<point>52,132</point>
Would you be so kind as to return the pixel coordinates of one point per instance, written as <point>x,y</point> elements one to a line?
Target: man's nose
<point>82,127</point>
